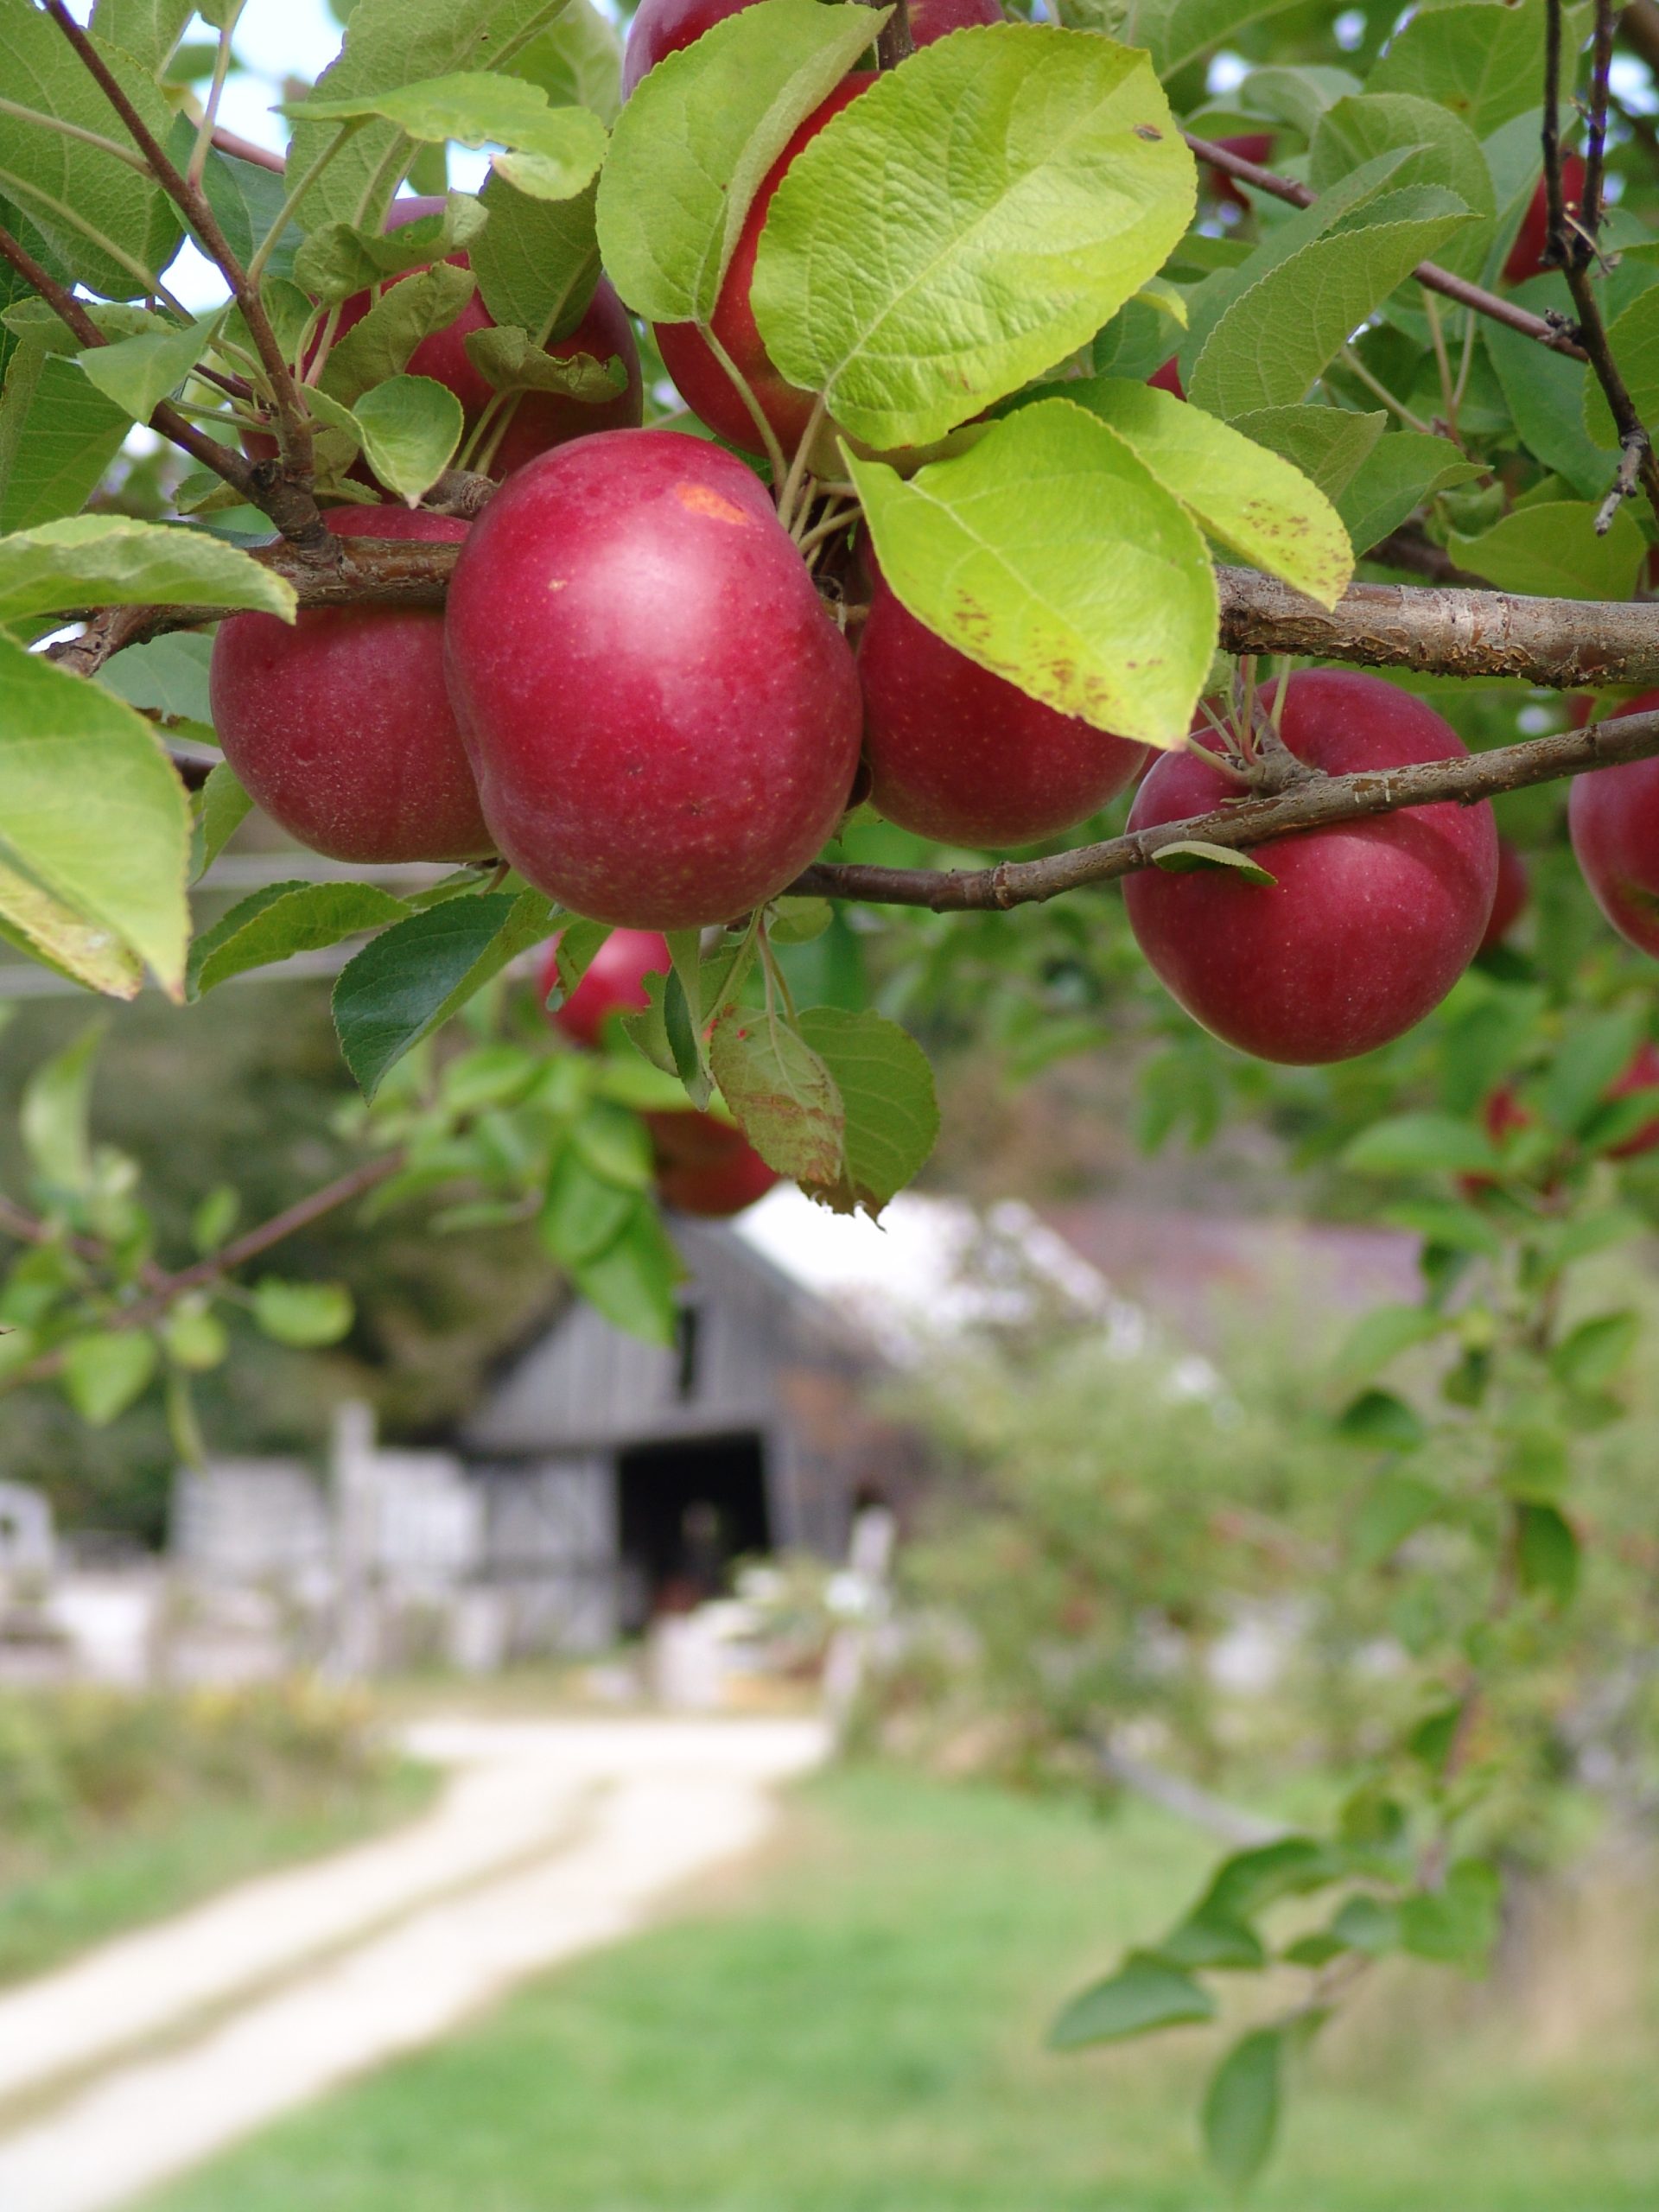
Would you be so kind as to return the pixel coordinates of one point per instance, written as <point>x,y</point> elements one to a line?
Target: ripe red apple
<point>1526,256</point>
<point>341,725</point>
<point>1168,379</point>
<point>1250,146</point>
<point>959,754</point>
<point>539,420</point>
<point>1514,887</point>
<point>613,982</point>
<point>663,719</point>
<point>661,27</point>
<point>705,1166</point>
<point>1613,815</point>
<point>698,377</point>
<point>1369,924</point>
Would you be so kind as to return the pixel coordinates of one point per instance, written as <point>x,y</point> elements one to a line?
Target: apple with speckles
<point>613,981</point>
<point>1614,815</point>
<point>663,27</point>
<point>1367,924</point>
<point>663,717</point>
<point>340,724</point>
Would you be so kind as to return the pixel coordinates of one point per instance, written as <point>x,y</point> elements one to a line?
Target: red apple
<point>663,719</point>
<point>1614,815</point>
<point>1514,887</point>
<point>538,420</point>
<point>661,27</point>
<point>1168,379</point>
<point>1250,146</point>
<point>698,377</point>
<point>1369,924</point>
<point>613,982</point>
<point>1526,256</point>
<point>1643,1074</point>
<point>705,1166</point>
<point>959,754</point>
<point>341,726</point>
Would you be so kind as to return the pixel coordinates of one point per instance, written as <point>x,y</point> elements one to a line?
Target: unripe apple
<point>705,1166</point>
<point>661,27</point>
<point>1614,815</point>
<point>340,724</point>
<point>1514,888</point>
<point>1368,925</point>
<point>959,754</point>
<point>613,982</point>
<point>698,375</point>
<point>538,420</point>
<point>663,719</point>
<point>1526,256</point>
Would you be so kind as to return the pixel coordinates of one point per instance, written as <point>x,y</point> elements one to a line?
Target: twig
<point>897,43</point>
<point>245,150</point>
<point>1490,304</point>
<point>1595,135</point>
<point>1244,824</point>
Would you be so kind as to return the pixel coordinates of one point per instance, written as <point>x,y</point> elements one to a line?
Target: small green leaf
<point>582,1213</point>
<point>913,309</point>
<point>1545,393</point>
<point>340,259</point>
<point>892,1115</point>
<point>558,149</point>
<point>1207,1940</point>
<point>1395,1508</point>
<point>1396,476</point>
<point>410,428</point>
<point>1143,1994</point>
<point>1049,553</point>
<point>1328,444</point>
<point>52,1118</point>
<point>115,561</point>
<point>103,1375</point>
<point>1367,1923</point>
<point>167,677</point>
<point>138,373</point>
<point>1377,1421</point>
<point>58,435</point>
<point>1593,1054</point>
<point>1553,551</point>
<point>698,135</point>
<point>632,1281</point>
<point>304,1315</point>
<point>1187,855</point>
<point>379,345</point>
<point>538,261</point>
<point>1457,1924</point>
<point>282,919</point>
<point>1379,1336</point>
<point>1243,1884</point>
<point>1485,66</point>
<point>214,1217</point>
<point>1421,1144</point>
<point>1240,2108</point>
<point>1440,150</point>
<point>784,1097</point>
<point>577,62</point>
<point>413,977</point>
<point>222,807</point>
<point>1590,1356</point>
<point>509,358</point>
<point>193,1337</point>
<point>1546,1553</point>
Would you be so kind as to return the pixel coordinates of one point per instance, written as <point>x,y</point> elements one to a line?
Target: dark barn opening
<point>686,1509</point>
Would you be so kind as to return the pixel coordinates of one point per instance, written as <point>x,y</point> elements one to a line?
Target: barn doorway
<point>686,1511</point>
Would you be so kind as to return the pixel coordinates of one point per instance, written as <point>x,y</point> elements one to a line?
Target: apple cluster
<point>639,697</point>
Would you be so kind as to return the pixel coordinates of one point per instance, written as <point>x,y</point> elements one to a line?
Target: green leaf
<point>1545,391</point>
<point>410,428</point>
<point>90,810</point>
<point>1395,1508</point>
<point>582,1213</point>
<point>1590,1356</point>
<point>58,435</point>
<point>1445,1222</point>
<point>1278,336</point>
<point>1536,1464</point>
<point>66,940</point>
<point>215,1217</point>
<point>1049,553</point>
<point>138,373</point>
<point>338,260</point>
<point>511,361</point>
<point>106,222</point>
<point>1633,337</point>
<point>1193,856</point>
<point>1457,1924</point>
<point>911,309</point>
<point>1485,64</point>
<point>53,1118</point>
<point>1206,1941</point>
<point>1440,150</point>
<point>783,1096</point>
<point>632,1281</point>
<point>698,135</point>
<point>167,676</point>
<point>1552,551</point>
<point>1298,96</point>
<point>1328,444</point>
<point>391,42</point>
<point>892,1115</point>
<point>1243,494</point>
<point>103,1375</point>
<point>1241,1886</point>
<point>538,261</point>
<point>379,345</point>
<point>412,978</point>
<point>1382,1335</point>
<point>304,1315</point>
<point>1143,1994</point>
<point>552,152</point>
<point>1378,1421</point>
<point>283,918</point>
<point>1396,476</point>
<point>1240,2108</point>
<point>1177,31</point>
<point>194,1337</point>
<point>221,809</point>
<point>1591,1056</point>
<point>1545,1553</point>
<point>1369,1924</point>
<point>577,62</point>
<point>1421,1144</point>
<point>148,30</point>
<point>112,560</point>
<point>247,199</point>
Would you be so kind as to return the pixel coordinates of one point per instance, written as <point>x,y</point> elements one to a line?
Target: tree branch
<point>244,150</point>
<point>283,492</point>
<point>1493,305</point>
<point>1244,824</point>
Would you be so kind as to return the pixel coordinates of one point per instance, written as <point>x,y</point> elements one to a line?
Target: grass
<point>101,1882</point>
<point>855,2027</point>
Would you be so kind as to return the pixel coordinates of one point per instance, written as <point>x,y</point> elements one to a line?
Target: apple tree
<point>748,546</point>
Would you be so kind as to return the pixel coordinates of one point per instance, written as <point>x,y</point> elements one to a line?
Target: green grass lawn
<point>101,1882</point>
<point>854,2026</point>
